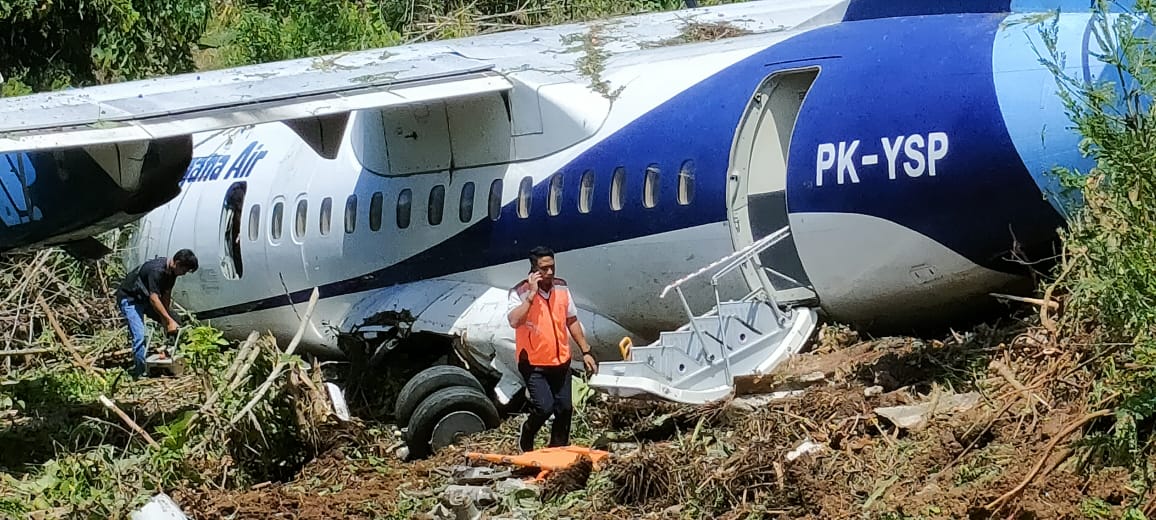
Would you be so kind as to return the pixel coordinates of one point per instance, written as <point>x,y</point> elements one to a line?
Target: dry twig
<point>1077,424</point>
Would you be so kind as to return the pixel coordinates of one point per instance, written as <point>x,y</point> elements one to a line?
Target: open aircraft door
<point>757,181</point>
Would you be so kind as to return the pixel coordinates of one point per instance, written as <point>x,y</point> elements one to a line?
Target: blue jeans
<point>133,313</point>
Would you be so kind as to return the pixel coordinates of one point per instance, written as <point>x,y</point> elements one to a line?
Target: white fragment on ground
<point>873,391</point>
<point>915,417</point>
<point>805,447</point>
<point>517,488</point>
<point>480,496</point>
<point>813,377</point>
<point>159,507</point>
<point>750,403</point>
<point>337,397</point>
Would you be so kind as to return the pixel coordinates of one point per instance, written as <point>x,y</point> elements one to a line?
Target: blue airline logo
<point>17,175</point>
<point>213,167</point>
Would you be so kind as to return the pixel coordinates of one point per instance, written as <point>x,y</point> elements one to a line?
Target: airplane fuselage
<point>907,155</point>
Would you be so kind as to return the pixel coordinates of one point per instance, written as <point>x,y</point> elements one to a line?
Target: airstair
<point>698,362</point>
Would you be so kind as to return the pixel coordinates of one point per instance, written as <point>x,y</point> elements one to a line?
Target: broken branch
<point>25,352</point>
<point>131,423</point>
<point>64,338</point>
<point>281,363</point>
<point>1053,305</point>
<point>1079,423</point>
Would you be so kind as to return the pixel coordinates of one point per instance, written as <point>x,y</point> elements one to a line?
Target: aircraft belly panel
<point>868,270</point>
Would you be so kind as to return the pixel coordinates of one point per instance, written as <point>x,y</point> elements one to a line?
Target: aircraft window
<point>375,211</point>
<point>650,186</point>
<point>586,192</point>
<point>437,203</point>
<point>254,222</point>
<point>554,205</point>
<point>302,217</point>
<point>326,214</point>
<point>686,183</point>
<point>524,192</point>
<point>275,222</point>
<point>351,214</point>
<point>404,201</point>
<point>466,204</point>
<point>495,199</point>
<point>616,188</point>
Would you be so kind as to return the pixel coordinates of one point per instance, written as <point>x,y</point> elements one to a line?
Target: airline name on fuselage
<point>218,166</point>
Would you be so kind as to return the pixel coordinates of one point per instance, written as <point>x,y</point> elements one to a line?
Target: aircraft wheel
<point>445,416</point>
<point>425,383</point>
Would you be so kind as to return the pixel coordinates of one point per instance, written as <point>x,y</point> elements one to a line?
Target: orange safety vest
<point>544,339</point>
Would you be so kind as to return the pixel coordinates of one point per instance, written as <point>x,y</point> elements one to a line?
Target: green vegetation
<point>1107,276</point>
<point>72,43</point>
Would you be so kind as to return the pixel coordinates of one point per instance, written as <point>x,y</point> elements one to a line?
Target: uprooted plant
<point>263,416</point>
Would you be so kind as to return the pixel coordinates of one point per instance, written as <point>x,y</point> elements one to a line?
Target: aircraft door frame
<point>759,146</point>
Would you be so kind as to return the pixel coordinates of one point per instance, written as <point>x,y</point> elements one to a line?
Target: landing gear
<point>427,382</point>
<point>440,405</point>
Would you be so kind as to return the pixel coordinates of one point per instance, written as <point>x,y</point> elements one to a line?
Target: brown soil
<point>730,461</point>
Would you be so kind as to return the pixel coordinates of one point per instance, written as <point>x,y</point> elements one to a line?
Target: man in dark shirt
<point>148,290</point>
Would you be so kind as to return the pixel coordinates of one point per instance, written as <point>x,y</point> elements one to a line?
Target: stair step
<point>669,361</point>
<point>653,370</point>
<point>685,341</point>
<point>632,368</point>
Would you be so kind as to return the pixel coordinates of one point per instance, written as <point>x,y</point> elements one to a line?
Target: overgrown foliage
<point>56,44</point>
<point>1108,273</point>
<point>72,43</point>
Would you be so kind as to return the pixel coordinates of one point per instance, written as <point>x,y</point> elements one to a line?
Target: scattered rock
<point>873,391</point>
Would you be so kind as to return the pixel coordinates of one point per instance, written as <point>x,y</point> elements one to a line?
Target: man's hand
<point>533,280</point>
<point>171,327</point>
<point>590,362</point>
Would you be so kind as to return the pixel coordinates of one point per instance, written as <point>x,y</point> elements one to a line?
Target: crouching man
<point>544,318</point>
<point>147,290</point>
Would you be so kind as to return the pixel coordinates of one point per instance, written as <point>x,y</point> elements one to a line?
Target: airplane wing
<point>200,102</point>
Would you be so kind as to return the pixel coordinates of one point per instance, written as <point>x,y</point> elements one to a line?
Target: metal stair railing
<point>732,261</point>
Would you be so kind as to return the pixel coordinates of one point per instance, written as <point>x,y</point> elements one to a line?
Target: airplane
<point>881,163</point>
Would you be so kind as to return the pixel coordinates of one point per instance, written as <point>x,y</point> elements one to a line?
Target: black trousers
<point>549,389</point>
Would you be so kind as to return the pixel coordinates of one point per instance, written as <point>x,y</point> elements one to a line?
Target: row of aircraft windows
<point>436,203</point>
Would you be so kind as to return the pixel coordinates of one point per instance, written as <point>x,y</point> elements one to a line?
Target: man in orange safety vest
<point>545,318</point>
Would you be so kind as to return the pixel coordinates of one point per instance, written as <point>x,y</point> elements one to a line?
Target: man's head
<point>542,261</point>
<point>184,262</point>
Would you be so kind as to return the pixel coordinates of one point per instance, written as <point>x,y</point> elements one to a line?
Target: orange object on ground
<point>546,459</point>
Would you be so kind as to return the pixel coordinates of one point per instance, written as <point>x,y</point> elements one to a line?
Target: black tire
<point>425,383</point>
<point>439,405</point>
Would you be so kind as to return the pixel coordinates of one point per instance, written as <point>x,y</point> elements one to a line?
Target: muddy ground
<point>1003,449</point>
